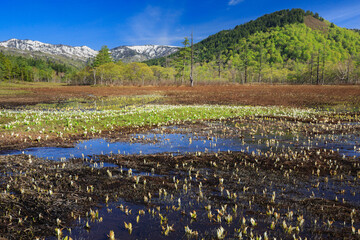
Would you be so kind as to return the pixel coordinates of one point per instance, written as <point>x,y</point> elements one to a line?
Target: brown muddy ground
<point>264,95</point>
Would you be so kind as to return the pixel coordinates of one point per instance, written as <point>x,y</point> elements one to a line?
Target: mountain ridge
<point>80,53</point>
<point>84,53</point>
<point>140,53</point>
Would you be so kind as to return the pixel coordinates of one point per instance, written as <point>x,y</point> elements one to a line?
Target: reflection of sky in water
<point>175,143</point>
<point>181,143</point>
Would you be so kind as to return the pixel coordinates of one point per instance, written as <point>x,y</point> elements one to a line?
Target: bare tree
<point>311,68</point>
<point>260,62</point>
<point>318,69</point>
<point>348,67</point>
<point>246,62</point>
<point>94,72</point>
<point>343,71</point>
<point>323,63</point>
<point>192,61</point>
<point>220,63</point>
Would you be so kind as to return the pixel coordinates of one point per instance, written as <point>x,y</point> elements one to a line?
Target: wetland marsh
<point>146,170</point>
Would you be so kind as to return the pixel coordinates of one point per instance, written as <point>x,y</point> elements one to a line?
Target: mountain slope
<point>141,53</point>
<point>291,46</point>
<point>84,53</point>
<point>227,40</point>
<point>74,62</point>
<point>81,53</point>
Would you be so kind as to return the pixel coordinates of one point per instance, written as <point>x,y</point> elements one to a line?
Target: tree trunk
<point>246,62</point>
<point>318,69</point>
<point>311,68</point>
<point>219,69</point>
<point>94,72</point>
<point>183,73</point>
<point>192,61</point>
<point>323,64</point>
<point>246,71</point>
<point>260,65</point>
<point>348,71</point>
<point>323,70</point>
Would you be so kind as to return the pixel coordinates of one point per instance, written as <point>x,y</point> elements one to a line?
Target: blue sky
<point>115,23</point>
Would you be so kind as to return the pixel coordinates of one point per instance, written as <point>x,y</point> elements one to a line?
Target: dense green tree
<point>5,67</point>
<point>183,59</point>
<point>137,73</point>
<point>110,73</point>
<point>32,69</point>
<point>102,57</point>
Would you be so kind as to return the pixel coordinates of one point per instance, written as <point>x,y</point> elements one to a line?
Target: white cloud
<point>154,25</point>
<point>235,2</point>
<point>203,30</point>
<point>342,13</point>
<point>158,25</point>
<point>344,16</point>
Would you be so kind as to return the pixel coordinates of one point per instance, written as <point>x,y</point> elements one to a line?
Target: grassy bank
<point>60,123</point>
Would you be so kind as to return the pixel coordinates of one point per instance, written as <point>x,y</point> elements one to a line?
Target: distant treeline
<point>125,74</point>
<point>292,54</point>
<point>32,69</point>
<point>288,46</point>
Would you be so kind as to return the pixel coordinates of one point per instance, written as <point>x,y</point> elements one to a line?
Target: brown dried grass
<point>264,95</point>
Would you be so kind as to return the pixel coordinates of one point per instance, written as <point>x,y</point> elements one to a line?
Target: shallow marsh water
<point>293,195</point>
<point>245,193</point>
<point>208,138</point>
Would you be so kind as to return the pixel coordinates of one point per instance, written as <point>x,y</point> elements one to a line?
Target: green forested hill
<point>13,67</point>
<point>288,45</point>
<point>228,39</point>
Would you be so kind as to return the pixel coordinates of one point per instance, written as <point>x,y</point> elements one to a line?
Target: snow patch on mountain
<point>84,53</point>
<point>145,52</point>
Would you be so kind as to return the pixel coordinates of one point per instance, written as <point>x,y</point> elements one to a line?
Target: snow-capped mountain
<point>84,53</point>
<point>141,53</point>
